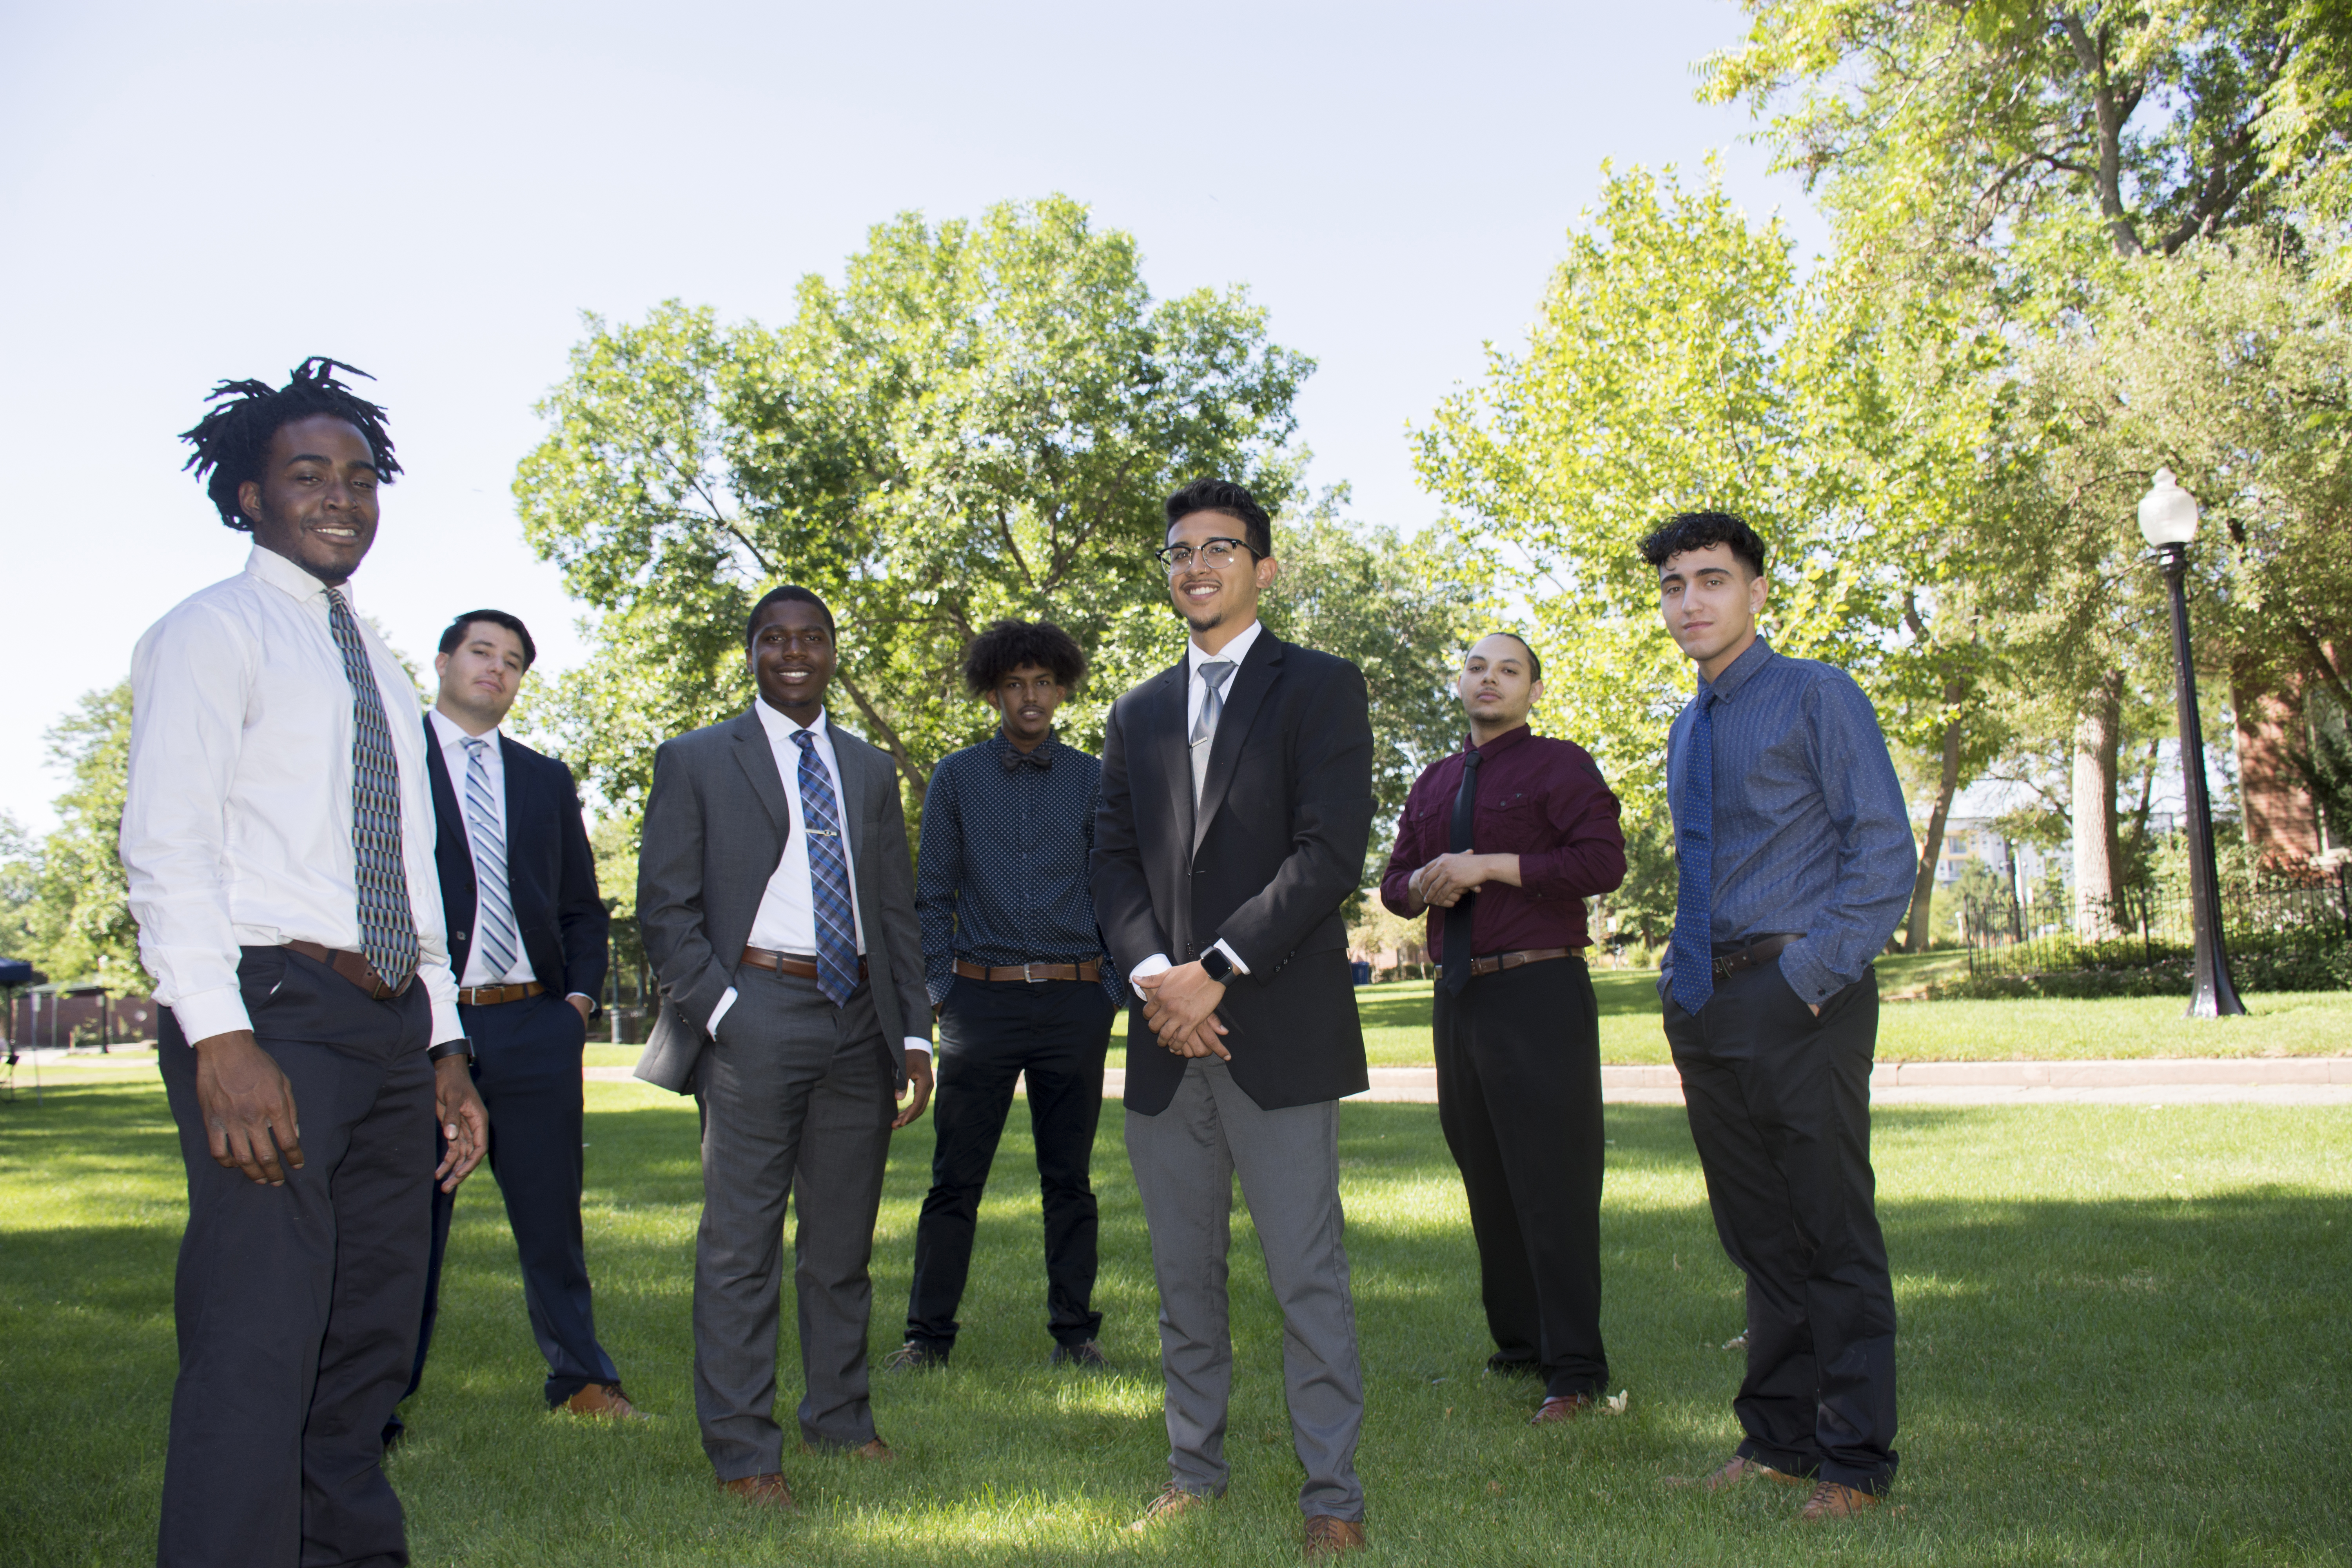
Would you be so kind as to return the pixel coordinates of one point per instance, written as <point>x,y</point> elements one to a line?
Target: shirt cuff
<point>205,1014</point>
<point>1156,965</point>
<point>1810,979</point>
<point>1230,954</point>
<point>711,1028</point>
<point>917,1043</point>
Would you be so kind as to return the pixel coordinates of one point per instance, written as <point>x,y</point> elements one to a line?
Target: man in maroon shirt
<point>1503,843</point>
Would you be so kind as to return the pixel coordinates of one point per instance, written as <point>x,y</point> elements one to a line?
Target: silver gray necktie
<point>494,909</point>
<point>387,923</point>
<point>1214,673</point>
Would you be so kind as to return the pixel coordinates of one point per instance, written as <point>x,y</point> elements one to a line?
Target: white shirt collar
<point>1236,650</point>
<point>782,726</point>
<point>453,733</point>
<point>280,572</point>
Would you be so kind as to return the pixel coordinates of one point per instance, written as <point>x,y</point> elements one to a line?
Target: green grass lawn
<point>2123,1342</point>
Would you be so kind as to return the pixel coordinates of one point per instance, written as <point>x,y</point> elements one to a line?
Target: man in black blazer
<point>777,900</point>
<point>1236,805</point>
<point>528,940</point>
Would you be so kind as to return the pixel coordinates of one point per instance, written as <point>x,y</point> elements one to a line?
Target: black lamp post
<point>2167,520</point>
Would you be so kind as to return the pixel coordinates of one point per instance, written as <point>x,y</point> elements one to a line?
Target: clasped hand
<point>1441,884</point>
<point>1181,1005</point>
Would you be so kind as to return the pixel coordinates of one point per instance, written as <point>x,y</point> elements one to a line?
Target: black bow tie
<point>1039,759</point>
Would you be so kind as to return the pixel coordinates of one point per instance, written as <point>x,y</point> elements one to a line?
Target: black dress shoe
<point>1500,1365</point>
<point>1085,1355</point>
<point>915,1356</point>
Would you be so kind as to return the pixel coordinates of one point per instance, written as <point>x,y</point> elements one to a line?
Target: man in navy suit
<point>527,941</point>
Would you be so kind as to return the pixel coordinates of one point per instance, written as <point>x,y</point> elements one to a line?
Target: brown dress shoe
<point>1172,1500</point>
<point>1560,1408</point>
<point>878,1450</point>
<point>1328,1537</point>
<point>763,1491</point>
<point>1737,1470</point>
<point>605,1401</point>
<point>1833,1499</point>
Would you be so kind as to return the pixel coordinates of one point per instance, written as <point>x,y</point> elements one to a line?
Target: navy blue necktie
<point>1694,946</point>
<point>829,890</point>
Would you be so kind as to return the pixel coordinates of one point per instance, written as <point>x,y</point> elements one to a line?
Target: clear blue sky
<point>435,191</point>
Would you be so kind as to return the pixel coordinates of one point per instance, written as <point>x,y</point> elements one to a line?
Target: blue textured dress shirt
<point>1809,834</point>
<point>1000,877</point>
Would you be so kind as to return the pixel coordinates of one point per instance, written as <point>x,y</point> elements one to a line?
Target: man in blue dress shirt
<point>1020,982</point>
<point>1796,861</point>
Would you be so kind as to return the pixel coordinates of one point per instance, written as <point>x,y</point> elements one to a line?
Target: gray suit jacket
<point>715,828</point>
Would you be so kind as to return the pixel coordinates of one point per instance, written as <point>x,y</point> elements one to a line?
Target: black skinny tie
<point>1457,919</point>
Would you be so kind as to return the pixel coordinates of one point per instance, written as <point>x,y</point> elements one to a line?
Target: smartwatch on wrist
<point>460,1047</point>
<point>1216,965</point>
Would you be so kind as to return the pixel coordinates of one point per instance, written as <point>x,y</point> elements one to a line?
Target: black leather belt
<point>1739,960</point>
<point>1493,963</point>
<point>1032,973</point>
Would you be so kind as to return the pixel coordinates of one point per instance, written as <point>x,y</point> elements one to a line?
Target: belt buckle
<point>1028,978</point>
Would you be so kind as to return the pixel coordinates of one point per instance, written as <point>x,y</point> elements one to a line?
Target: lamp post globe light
<point>2167,520</point>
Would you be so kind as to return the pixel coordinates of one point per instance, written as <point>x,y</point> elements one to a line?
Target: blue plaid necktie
<point>829,894</point>
<point>1694,947</point>
<point>387,924</point>
<point>494,926</point>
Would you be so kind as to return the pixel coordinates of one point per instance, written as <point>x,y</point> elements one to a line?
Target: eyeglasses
<point>1214,553</point>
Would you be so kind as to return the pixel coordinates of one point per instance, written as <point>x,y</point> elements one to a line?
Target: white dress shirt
<point>1197,692</point>
<point>787,919</point>
<point>459,762</point>
<point>237,826</point>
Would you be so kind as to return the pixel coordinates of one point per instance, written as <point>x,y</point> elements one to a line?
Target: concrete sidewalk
<point>2177,1080</point>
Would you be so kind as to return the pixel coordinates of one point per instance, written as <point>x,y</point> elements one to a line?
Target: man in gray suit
<point>777,903</point>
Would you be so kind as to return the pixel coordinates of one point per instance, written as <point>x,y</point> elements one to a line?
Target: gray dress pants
<point>1184,1161</point>
<point>796,1095</point>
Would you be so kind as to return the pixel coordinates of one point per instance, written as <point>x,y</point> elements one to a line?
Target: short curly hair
<point>1006,645</point>
<point>1701,531</point>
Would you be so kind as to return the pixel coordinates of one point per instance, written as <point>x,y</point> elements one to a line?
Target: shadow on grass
<point>2117,1381</point>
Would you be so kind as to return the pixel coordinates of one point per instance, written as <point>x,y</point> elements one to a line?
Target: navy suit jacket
<point>551,870</point>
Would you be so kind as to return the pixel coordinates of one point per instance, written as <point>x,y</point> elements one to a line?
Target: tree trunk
<point>1923,886</point>
<point>2098,732</point>
<point>2281,818</point>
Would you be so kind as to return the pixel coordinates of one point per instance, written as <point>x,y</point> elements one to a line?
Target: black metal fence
<point>2293,926</point>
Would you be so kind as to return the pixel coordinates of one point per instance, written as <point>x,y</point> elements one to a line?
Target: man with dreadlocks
<point>279,839</point>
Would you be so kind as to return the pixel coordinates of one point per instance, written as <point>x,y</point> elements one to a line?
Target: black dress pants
<point>1518,1097</point>
<point>297,1306</point>
<point>1780,1108</point>
<point>991,1032</point>
<point>527,1067</point>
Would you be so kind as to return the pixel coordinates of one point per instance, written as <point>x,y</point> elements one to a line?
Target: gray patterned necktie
<point>494,912</point>
<point>1214,672</point>
<point>387,923</point>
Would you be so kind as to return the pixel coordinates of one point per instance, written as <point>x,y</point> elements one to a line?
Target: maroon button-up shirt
<point>1540,799</point>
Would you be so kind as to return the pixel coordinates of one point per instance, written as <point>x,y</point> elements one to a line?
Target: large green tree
<point>979,419</point>
<point>78,914</point>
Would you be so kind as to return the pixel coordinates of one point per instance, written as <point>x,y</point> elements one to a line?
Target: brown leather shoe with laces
<point>1560,1408</point>
<point>1172,1500</point>
<point>605,1402</point>
<point>1833,1499</point>
<point>1739,1468</point>
<point>763,1491</point>
<point>1328,1537</point>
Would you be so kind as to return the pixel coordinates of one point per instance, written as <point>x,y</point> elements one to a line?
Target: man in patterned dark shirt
<point>1020,982</point>
<point>1796,860</point>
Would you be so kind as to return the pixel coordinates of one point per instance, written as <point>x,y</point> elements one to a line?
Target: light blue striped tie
<point>494,927</point>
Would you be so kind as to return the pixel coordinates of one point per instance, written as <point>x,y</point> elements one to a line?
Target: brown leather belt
<point>1035,973</point>
<point>789,962</point>
<point>1495,961</point>
<point>1728,964</point>
<point>352,966</point>
<point>498,996</point>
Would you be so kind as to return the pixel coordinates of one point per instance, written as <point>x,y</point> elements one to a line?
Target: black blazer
<point>1274,848</point>
<point>551,870</point>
